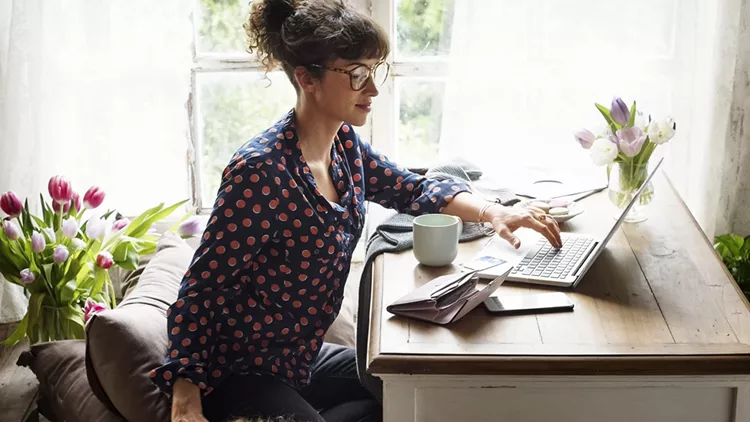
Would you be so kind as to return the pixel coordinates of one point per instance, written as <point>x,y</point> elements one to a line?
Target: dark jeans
<point>333,395</point>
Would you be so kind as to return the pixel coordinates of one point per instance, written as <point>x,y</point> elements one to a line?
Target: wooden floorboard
<point>18,385</point>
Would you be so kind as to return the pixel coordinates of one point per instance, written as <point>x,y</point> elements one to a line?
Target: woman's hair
<point>291,33</point>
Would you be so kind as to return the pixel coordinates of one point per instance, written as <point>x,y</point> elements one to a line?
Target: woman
<point>246,334</point>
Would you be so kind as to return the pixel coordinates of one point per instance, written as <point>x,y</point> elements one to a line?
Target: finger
<point>555,228</point>
<point>542,228</point>
<point>506,234</point>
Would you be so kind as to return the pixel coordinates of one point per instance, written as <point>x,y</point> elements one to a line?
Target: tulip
<point>104,260</point>
<point>27,277</point>
<point>76,200</point>
<point>60,189</point>
<point>120,224</point>
<point>603,152</point>
<point>585,138</point>
<point>50,235</point>
<point>619,111</point>
<point>95,228</point>
<point>70,227</point>
<point>93,197</point>
<point>77,244</point>
<point>10,204</point>
<point>12,230</point>
<point>60,254</point>
<point>661,131</point>
<point>640,121</point>
<point>37,242</point>
<point>58,207</point>
<point>190,227</point>
<point>630,140</point>
<point>91,308</point>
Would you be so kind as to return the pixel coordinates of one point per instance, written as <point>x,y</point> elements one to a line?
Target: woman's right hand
<point>186,402</point>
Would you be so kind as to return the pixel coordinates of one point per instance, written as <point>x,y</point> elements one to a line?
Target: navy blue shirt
<point>268,278</point>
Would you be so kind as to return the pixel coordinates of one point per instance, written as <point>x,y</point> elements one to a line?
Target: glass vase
<point>624,181</point>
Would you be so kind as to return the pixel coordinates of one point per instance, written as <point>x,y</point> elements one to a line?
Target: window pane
<point>423,27</point>
<point>232,108</point>
<point>220,26</point>
<point>420,116</point>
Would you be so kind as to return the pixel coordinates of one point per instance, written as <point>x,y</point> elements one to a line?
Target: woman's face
<point>335,96</point>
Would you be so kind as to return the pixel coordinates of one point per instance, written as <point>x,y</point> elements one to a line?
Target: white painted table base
<point>439,398</point>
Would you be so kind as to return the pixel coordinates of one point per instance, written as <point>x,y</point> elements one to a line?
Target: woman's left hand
<point>506,220</point>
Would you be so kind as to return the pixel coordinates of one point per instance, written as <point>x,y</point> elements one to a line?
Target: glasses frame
<point>370,72</point>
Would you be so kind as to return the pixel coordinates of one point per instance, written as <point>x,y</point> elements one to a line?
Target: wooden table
<point>660,332</point>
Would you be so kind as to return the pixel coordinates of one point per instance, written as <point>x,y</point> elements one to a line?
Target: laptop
<point>537,262</point>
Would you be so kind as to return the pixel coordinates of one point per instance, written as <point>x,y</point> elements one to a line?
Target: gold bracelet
<point>483,210</point>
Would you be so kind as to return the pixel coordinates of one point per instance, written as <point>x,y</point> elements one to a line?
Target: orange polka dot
<point>247,193</point>
<point>220,250</point>
<point>167,375</point>
<point>246,222</point>
<point>265,224</point>
<point>185,342</point>
<point>235,244</point>
<point>228,212</point>
<point>254,178</point>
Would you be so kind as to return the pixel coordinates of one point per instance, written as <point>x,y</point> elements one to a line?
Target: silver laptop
<point>537,262</point>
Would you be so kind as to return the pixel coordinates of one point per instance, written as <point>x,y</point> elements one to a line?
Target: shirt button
<point>317,251</point>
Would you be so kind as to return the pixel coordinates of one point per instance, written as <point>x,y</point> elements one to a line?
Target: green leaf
<point>28,227</point>
<point>732,244</point>
<point>605,112</point>
<point>143,222</point>
<point>101,276</point>
<point>46,212</point>
<point>68,291</point>
<point>120,253</point>
<point>19,333</point>
<point>34,310</point>
<point>631,122</point>
<point>131,262</point>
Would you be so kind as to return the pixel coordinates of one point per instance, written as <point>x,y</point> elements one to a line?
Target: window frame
<point>380,129</point>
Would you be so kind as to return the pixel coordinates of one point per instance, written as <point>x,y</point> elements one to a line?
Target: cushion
<point>124,344</point>
<point>65,394</point>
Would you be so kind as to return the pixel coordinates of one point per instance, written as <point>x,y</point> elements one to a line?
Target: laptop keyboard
<point>545,261</point>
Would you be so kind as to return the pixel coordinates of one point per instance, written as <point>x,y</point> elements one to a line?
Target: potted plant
<point>734,251</point>
<point>625,146</point>
<point>61,257</point>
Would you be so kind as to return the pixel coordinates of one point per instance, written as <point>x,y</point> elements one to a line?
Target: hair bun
<point>276,12</point>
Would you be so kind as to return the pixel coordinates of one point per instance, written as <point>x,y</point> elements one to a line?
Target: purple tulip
<point>12,231</point>
<point>91,308</point>
<point>10,204</point>
<point>60,254</point>
<point>619,111</point>
<point>70,227</point>
<point>630,140</point>
<point>37,242</point>
<point>190,227</point>
<point>27,277</point>
<point>585,138</point>
<point>104,260</point>
<point>60,189</point>
<point>120,224</point>
<point>93,197</point>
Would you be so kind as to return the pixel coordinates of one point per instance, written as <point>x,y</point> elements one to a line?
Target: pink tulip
<point>585,138</point>
<point>91,308</point>
<point>93,197</point>
<point>76,199</point>
<point>60,189</point>
<point>10,204</point>
<point>57,207</point>
<point>60,254</point>
<point>104,260</point>
<point>120,224</point>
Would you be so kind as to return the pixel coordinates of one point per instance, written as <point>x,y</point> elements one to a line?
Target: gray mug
<point>436,239</point>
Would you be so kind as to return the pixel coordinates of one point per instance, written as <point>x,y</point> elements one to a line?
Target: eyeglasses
<point>359,76</point>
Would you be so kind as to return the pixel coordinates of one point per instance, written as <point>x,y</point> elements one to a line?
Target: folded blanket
<point>395,234</point>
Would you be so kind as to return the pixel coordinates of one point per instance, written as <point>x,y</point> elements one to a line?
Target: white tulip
<point>661,131</point>
<point>95,228</point>
<point>641,121</point>
<point>603,152</point>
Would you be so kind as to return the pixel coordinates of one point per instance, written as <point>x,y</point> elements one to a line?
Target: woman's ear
<point>304,78</point>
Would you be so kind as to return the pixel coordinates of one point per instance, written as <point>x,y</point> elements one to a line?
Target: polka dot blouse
<point>268,279</point>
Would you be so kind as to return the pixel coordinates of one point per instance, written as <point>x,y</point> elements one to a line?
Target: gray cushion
<point>65,394</point>
<point>124,344</point>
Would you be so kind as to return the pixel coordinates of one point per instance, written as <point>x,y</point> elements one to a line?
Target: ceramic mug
<point>436,239</point>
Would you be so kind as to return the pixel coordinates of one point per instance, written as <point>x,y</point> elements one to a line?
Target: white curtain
<point>95,91</point>
<point>525,75</point>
